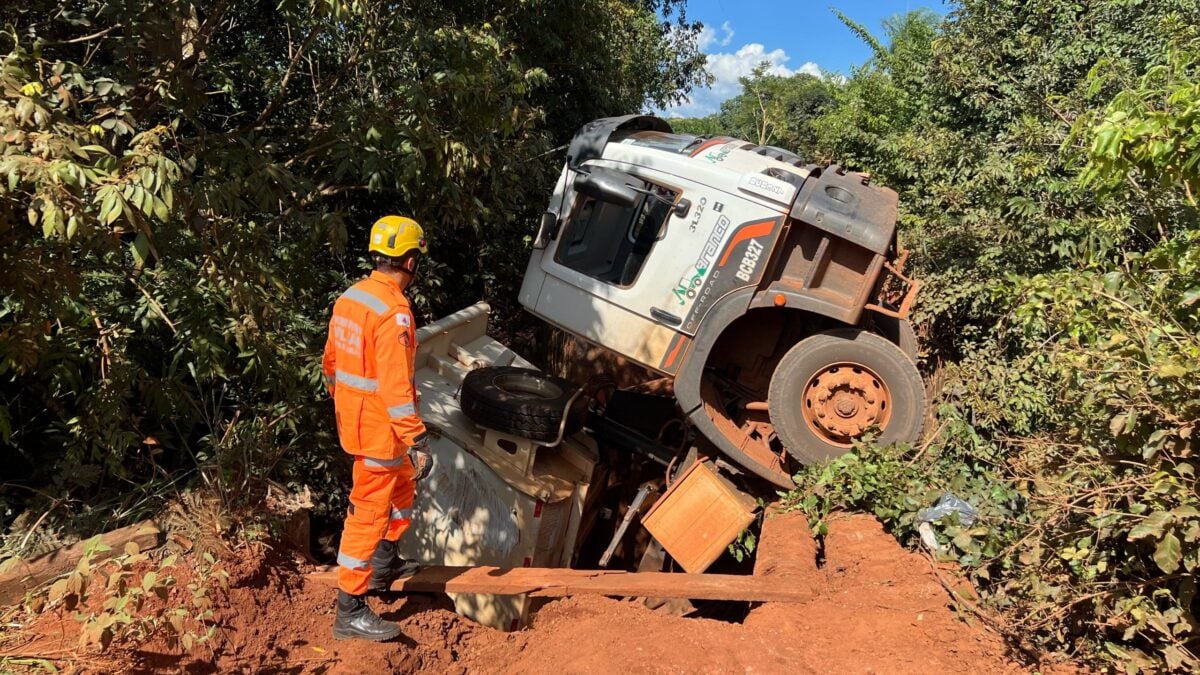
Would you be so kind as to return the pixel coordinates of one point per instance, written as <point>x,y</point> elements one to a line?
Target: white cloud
<point>727,67</point>
<point>708,36</point>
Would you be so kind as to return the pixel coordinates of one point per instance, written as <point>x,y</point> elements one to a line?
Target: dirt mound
<point>274,618</point>
<point>875,608</point>
<point>880,609</point>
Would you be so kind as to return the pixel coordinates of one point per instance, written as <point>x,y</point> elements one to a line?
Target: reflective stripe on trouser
<point>380,507</point>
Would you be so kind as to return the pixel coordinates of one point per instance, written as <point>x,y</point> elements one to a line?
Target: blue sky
<point>793,35</point>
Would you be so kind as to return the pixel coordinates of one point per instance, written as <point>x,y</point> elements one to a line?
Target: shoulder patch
<point>403,319</point>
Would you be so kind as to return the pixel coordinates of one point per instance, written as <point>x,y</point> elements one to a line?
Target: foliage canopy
<point>1046,158</point>
<point>184,186</point>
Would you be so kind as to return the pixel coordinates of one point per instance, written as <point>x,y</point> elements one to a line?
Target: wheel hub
<point>843,400</point>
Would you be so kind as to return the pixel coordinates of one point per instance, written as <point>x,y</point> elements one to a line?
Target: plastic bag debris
<point>948,503</point>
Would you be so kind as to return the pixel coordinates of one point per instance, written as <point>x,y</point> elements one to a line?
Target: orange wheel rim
<point>842,400</point>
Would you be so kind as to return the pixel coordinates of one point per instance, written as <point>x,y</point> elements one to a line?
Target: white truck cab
<point>662,247</point>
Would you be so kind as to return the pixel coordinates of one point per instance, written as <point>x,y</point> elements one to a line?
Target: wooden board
<point>18,577</point>
<point>557,582</point>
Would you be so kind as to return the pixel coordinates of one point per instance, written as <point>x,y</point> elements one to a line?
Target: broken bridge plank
<point>557,582</point>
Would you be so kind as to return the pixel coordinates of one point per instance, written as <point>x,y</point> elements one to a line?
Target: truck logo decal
<point>771,188</point>
<point>690,283</point>
<point>759,236</point>
<point>718,156</point>
<point>755,181</point>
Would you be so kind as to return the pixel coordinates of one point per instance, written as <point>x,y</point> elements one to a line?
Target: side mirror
<point>607,185</point>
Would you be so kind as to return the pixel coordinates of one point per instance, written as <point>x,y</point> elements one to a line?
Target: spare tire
<point>518,401</point>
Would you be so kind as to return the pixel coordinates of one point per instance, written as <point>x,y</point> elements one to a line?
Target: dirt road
<point>876,608</point>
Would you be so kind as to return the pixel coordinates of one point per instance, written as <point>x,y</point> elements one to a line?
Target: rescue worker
<point>368,368</point>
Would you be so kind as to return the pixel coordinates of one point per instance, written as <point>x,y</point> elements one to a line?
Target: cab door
<point>613,271</point>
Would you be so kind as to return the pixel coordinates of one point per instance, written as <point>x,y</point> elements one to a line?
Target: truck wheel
<point>517,401</point>
<point>831,387</point>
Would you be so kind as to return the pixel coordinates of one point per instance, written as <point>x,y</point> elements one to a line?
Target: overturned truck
<point>764,297</point>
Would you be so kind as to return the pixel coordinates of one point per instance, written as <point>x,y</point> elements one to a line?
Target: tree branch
<point>281,95</point>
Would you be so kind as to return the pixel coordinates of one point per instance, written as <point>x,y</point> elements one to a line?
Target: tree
<point>1043,158</point>
<point>771,110</point>
<point>183,186</point>
<point>776,109</point>
<point>698,126</point>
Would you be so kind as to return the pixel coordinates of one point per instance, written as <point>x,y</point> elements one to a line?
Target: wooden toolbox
<point>698,516</point>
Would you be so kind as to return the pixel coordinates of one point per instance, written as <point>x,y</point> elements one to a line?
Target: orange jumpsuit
<point>368,368</point>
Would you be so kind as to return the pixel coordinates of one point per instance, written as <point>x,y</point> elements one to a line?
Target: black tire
<point>872,359</point>
<point>518,401</point>
<point>899,331</point>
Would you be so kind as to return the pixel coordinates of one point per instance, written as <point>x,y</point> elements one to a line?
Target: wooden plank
<point>17,577</point>
<point>557,582</point>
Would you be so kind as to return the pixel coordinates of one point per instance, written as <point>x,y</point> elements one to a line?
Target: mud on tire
<point>518,401</point>
<point>829,388</point>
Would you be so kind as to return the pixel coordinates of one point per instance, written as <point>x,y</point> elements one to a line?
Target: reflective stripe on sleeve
<point>401,411</point>
<point>329,380</point>
<point>350,562</point>
<point>367,384</point>
<point>401,514</point>
<point>384,463</point>
<point>360,296</point>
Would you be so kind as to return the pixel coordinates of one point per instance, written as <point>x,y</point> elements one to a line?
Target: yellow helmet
<point>394,236</point>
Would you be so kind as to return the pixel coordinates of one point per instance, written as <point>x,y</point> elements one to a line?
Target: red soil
<point>875,608</point>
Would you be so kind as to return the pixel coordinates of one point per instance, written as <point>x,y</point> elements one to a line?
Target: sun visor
<point>590,140</point>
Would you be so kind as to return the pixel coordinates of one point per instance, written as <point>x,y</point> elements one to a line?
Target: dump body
<point>491,499</point>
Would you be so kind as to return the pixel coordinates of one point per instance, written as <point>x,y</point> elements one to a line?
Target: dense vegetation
<point>1047,156</point>
<point>182,185</point>
<point>185,187</point>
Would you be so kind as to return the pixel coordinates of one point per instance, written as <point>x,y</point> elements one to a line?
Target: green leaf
<point>1171,370</point>
<point>147,201</point>
<point>160,210</point>
<point>1168,553</point>
<point>140,247</point>
<point>115,212</point>
<point>1151,526</point>
<point>1190,296</point>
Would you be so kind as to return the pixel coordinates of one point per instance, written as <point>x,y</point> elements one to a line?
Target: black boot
<point>386,567</point>
<point>356,620</point>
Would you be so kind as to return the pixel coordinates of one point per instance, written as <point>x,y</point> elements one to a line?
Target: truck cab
<point>711,260</point>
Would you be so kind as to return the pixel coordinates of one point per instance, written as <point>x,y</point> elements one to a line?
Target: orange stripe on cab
<point>748,232</point>
<point>680,341</point>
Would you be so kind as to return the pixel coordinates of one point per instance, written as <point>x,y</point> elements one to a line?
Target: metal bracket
<point>562,425</point>
<point>896,269</point>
